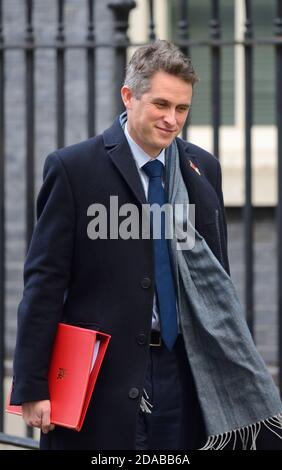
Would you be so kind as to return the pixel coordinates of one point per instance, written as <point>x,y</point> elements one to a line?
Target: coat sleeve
<point>46,276</point>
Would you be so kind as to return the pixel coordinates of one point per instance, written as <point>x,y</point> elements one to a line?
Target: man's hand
<point>37,414</point>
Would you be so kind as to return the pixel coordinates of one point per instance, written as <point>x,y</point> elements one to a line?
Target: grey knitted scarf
<point>236,392</point>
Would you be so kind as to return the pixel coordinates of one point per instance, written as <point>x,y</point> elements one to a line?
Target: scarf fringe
<point>246,435</point>
<point>145,405</point>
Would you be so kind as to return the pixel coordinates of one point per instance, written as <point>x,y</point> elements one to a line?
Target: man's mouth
<point>167,131</point>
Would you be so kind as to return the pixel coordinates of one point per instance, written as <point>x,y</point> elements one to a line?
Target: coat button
<point>146,282</point>
<point>133,393</point>
<point>141,339</point>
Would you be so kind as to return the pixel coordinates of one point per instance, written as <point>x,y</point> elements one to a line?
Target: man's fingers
<point>45,422</point>
<point>34,423</point>
<point>46,429</point>
<point>33,419</point>
<point>37,414</point>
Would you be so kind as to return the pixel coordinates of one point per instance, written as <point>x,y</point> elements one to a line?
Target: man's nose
<point>170,117</point>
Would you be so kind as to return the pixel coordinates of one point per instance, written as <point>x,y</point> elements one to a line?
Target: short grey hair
<point>160,55</point>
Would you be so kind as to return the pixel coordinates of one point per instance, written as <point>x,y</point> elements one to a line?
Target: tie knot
<point>154,169</point>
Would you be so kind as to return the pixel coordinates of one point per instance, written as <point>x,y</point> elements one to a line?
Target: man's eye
<point>160,105</point>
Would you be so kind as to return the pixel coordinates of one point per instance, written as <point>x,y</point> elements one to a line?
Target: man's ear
<point>127,96</point>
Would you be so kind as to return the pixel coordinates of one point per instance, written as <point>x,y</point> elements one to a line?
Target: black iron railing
<point>278,34</point>
<point>18,442</point>
<point>248,212</point>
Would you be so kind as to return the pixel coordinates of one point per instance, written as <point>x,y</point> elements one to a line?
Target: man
<point>159,354</point>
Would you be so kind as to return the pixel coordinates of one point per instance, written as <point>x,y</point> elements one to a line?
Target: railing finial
<point>121,10</point>
<point>29,25</point>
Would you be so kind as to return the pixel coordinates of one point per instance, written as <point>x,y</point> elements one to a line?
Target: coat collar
<point>119,151</point>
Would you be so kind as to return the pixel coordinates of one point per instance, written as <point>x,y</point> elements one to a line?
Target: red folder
<point>74,367</point>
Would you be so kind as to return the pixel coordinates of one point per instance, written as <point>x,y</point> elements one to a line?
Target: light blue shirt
<point>141,158</point>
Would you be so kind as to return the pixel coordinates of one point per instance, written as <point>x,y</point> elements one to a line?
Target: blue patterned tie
<point>163,274</point>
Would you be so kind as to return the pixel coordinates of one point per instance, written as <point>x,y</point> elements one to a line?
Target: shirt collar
<point>141,157</point>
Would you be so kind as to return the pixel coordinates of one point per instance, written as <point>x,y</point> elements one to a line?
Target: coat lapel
<point>121,156</point>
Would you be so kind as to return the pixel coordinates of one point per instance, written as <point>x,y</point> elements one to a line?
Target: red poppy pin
<point>195,168</point>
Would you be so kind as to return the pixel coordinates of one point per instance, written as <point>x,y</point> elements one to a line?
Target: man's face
<point>159,115</point>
